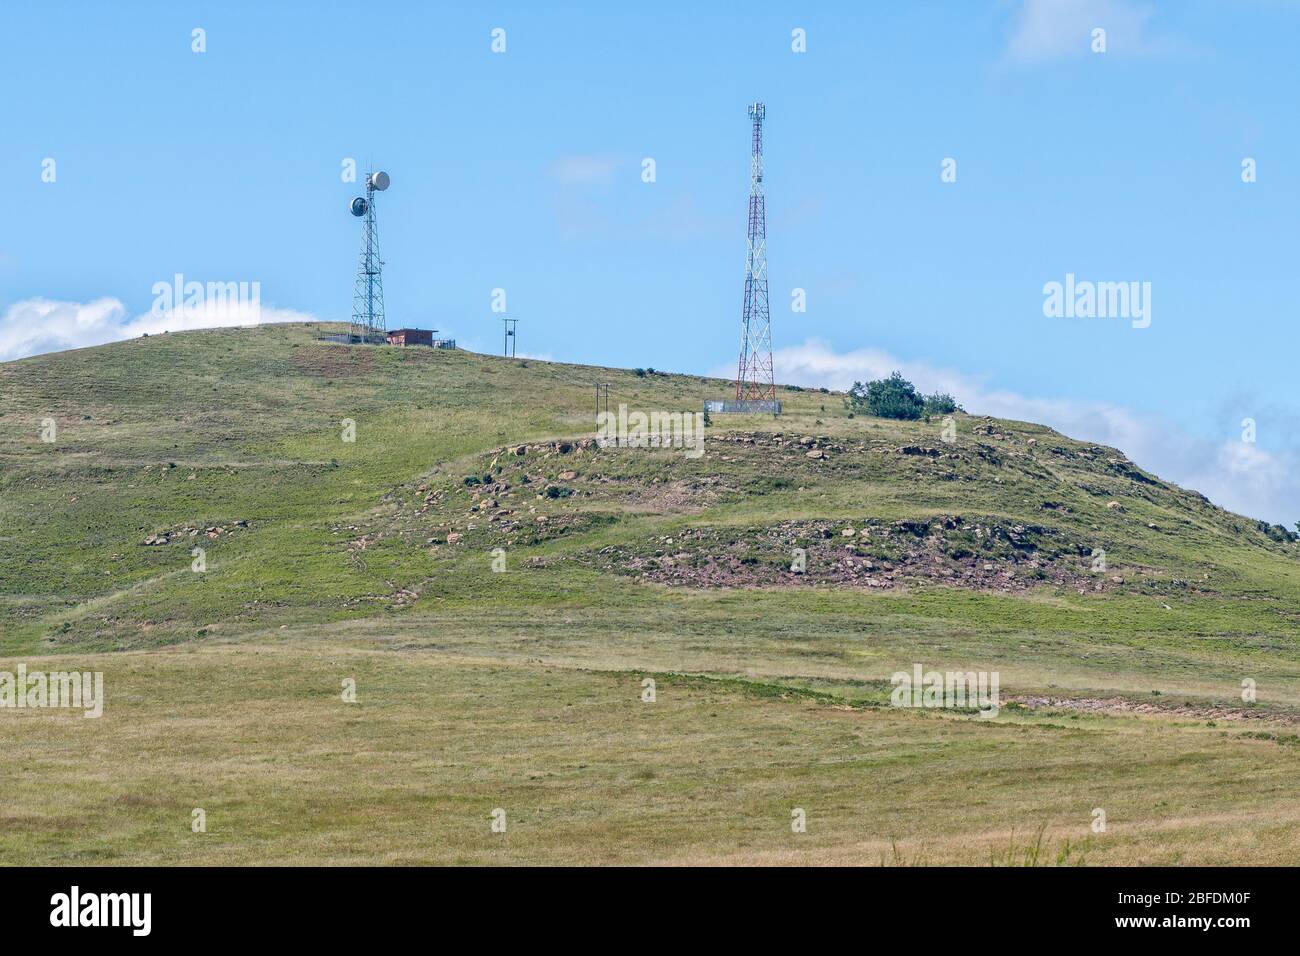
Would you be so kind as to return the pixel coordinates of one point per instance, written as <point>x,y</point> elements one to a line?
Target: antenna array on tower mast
<point>755,381</point>
<point>368,322</point>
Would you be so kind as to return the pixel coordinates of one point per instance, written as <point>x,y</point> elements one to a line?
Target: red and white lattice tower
<point>755,380</point>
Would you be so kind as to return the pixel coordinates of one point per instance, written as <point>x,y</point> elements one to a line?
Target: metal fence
<point>719,407</point>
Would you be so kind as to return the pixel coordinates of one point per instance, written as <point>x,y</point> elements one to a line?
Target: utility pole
<point>602,391</point>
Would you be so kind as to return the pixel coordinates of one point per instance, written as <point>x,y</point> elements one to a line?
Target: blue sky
<point>522,171</point>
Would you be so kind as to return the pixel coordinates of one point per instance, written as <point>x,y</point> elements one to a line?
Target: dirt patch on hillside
<point>1118,705</point>
<point>333,361</point>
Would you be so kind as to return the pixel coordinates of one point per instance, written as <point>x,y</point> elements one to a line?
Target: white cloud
<point>584,169</point>
<point>1046,30</point>
<point>34,326</point>
<point>1236,475</point>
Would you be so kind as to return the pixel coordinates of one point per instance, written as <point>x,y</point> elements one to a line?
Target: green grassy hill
<point>372,560</point>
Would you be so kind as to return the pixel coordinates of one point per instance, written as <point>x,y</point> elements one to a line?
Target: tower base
<point>753,407</point>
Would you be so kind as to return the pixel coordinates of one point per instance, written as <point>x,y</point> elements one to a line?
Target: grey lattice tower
<point>368,322</point>
<point>754,379</point>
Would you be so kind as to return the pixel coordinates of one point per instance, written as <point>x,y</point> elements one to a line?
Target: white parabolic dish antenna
<point>379,180</point>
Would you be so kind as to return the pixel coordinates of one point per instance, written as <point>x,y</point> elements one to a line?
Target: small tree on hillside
<point>941,403</point>
<point>893,397</point>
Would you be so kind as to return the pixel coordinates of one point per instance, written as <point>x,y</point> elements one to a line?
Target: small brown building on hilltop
<point>411,336</point>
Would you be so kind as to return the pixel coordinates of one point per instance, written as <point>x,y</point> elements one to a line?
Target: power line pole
<point>508,346</point>
<point>602,391</point>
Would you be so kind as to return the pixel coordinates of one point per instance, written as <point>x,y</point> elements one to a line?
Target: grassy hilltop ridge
<point>241,430</point>
<point>372,560</point>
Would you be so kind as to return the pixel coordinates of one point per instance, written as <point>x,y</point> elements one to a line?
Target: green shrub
<point>893,397</point>
<point>1277,532</point>
<point>941,403</point>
